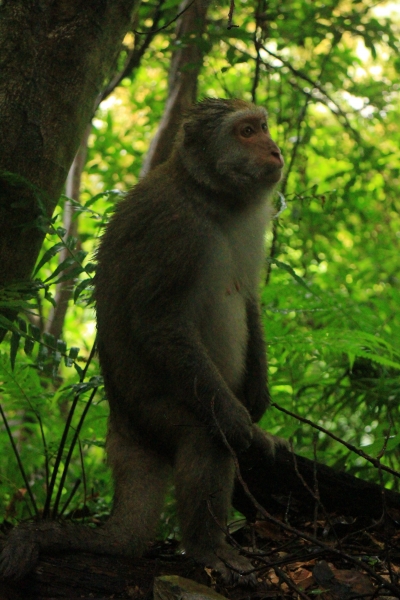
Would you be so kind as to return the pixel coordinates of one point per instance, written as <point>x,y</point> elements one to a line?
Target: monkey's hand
<point>262,450</point>
<point>256,398</point>
<point>237,426</point>
<point>255,394</point>
<point>266,443</point>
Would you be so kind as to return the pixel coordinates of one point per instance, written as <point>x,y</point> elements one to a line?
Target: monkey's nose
<point>279,158</point>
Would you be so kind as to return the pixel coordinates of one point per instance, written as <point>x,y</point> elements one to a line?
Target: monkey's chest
<point>222,315</point>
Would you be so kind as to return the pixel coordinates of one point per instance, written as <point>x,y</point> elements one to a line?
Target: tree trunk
<point>55,58</point>
<point>64,290</point>
<point>182,89</point>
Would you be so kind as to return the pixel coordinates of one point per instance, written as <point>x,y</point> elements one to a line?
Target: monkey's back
<point>148,260</point>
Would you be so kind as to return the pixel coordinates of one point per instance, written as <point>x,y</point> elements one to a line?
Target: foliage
<point>328,72</point>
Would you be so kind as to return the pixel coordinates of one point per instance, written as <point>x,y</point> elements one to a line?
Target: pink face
<point>253,134</point>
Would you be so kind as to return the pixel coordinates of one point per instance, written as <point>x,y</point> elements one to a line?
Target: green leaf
<point>48,255</point>
<point>291,271</point>
<point>28,346</point>
<point>71,274</point>
<point>64,265</point>
<point>34,332</point>
<point>83,285</point>
<point>14,344</point>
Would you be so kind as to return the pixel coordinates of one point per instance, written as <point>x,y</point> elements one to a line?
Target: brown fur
<point>179,336</point>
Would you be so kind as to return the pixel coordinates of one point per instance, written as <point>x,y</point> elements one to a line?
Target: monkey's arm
<point>173,345</point>
<point>255,388</point>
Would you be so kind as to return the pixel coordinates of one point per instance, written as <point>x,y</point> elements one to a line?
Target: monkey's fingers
<point>259,405</point>
<point>265,443</point>
<point>234,569</point>
<point>237,428</point>
<point>230,566</point>
<point>233,577</point>
<point>18,558</point>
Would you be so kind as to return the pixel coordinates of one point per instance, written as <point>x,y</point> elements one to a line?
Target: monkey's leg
<point>204,475</point>
<point>140,478</point>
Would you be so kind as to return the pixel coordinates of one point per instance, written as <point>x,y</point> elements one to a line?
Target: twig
<point>317,86</point>
<point>39,419</point>
<point>385,511</point>
<point>72,494</point>
<point>70,451</point>
<point>19,461</point>
<point>256,79</point>
<point>230,15</point>
<point>83,473</point>
<point>282,575</point>
<point>314,494</point>
<point>259,36</point>
<point>153,31</point>
<point>374,461</point>
<point>46,509</point>
<point>273,251</point>
<point>134,57</point>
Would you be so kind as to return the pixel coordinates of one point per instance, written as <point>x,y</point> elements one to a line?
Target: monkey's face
<point>250,156</point>
<point>263,155</point>
<point>226,146</point>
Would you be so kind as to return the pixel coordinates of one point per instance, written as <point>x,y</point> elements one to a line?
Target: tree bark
<point>55,58</point>
<point>83,576</point>
<point>64,289</point>
<point>186,63</point>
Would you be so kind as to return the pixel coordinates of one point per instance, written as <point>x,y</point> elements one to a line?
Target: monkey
<point>180,341</point>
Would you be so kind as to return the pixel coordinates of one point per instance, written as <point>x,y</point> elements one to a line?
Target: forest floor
<point>333,557</point>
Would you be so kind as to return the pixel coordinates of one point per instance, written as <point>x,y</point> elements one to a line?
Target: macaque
<point>180,341</point>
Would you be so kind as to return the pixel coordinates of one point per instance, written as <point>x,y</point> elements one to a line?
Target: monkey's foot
<point>232,568</point>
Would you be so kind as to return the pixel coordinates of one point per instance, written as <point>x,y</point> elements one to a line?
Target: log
<point>81,575</point>
<point>279,485</point>
<point>275,486</point>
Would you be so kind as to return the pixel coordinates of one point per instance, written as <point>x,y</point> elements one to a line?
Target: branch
<point>314,84</point>
<point>374,461</point>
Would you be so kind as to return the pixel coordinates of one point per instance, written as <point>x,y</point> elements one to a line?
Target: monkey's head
<point>226,146</point>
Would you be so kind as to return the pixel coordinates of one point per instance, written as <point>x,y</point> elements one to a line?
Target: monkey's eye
<point>264,127</point>
<point>247,131</point>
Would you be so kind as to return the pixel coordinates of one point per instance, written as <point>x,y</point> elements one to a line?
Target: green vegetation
<point>329,75</point>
